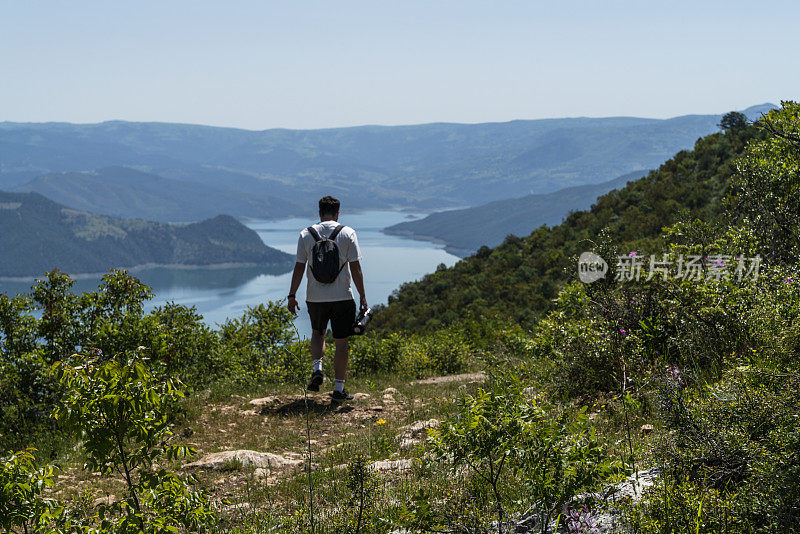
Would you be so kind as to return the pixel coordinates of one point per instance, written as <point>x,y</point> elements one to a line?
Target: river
<point>222,293</point>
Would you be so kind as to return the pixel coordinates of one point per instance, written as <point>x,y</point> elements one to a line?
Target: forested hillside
<point>423,166</point>
<point>39,235</point>
<point>464,231</point>
<point>519,278</point>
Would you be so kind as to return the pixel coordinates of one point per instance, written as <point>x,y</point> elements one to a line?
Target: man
<point>329,300</point>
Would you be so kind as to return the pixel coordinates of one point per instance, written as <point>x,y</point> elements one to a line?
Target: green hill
<point>519,278</point>
<point>39,235</point>
<point>426,166</point>
<point>464,231</point>
<point>128,193</point>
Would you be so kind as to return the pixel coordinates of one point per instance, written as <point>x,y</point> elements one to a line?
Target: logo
<point>591,267</point>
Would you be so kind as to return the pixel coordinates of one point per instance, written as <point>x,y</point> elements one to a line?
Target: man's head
<point>328,207</point>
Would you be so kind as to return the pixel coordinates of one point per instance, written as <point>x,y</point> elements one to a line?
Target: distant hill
<point>427,166</point>
<point>39,234</point>
<point>464,231</point>
<point>128,193</point>
<point>518,279</point>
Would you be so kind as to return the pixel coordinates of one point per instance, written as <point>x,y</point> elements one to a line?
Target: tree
<point>733,121</point>
<point>766,186</point>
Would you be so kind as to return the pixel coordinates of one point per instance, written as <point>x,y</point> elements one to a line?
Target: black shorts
<point>341,314</point>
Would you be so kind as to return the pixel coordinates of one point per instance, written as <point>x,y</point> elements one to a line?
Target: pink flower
<point>632,254</point>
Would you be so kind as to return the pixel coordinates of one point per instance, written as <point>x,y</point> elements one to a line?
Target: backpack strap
<point>336,232</point>
<point>314,233</point>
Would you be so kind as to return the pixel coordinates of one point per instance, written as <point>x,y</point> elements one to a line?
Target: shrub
<point>553,453</point>
<point>256,343</point>
<point>120,409</point>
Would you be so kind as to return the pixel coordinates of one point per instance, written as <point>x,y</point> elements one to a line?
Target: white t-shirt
<point>347,242</point>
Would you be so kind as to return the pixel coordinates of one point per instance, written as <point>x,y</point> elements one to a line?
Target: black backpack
<point>325,256</point>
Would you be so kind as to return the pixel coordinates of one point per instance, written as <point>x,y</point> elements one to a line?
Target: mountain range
<point>128,193</point>
<point>427,166</point>
<point>39,235</point>
<point>464,231</point>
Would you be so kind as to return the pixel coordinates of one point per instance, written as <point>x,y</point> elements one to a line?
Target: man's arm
<point>358,280</point>
<point>297,277</point>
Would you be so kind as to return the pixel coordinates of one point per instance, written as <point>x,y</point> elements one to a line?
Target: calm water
<point>218,294</point>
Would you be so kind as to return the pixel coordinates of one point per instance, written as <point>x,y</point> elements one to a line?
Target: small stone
<point>391,465</point>
<point>108,499</point>
<point>360,396</point>
<point>264,401</point>
<point>377,408</point>
<point>646,429</point>
<point>219,460</point>
<point>391,391</point>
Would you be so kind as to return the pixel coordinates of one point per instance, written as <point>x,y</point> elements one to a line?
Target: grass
<point>224,419</point>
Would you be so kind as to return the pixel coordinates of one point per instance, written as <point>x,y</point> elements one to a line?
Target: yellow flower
<point>380,422</point>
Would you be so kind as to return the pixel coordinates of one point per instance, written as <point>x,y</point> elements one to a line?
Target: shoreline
<point>460,253</point>
<point>144,267</point>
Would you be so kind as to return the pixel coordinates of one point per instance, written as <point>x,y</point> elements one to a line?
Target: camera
<point>360,326</point>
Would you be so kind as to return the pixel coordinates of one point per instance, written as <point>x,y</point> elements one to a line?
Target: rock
<point>451,378</point>
<point>407,444</point>
<point>260,472</point>
<point>360,396</point>
<point>419,428</point>
<point>391,391</point>
<point>264,401</point>
<point>415,433</point>
<point>388,399</point>
<point>391,465</point>
<point>108,499</point>
<point>646,429</point>
<point>220,460</point>
<point>603,505</point>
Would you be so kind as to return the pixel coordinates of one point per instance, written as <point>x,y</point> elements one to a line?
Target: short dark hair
<point>328,206</point>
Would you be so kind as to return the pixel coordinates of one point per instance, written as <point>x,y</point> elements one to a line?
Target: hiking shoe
<point>341,396</point>
<point>316,381</point>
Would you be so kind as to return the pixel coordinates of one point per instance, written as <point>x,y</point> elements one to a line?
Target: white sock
<point>338,385</point>
<point>318,365</point>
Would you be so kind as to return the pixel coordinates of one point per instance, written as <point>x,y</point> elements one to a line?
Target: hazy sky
<point>299,64</point>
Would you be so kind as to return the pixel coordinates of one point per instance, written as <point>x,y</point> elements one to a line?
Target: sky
<point>301,64</point>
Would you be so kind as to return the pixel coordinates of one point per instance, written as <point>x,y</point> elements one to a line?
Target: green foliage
<point>554,453</point>
<point>121,410</point>
<point>257,342</point>
<point>187,347</point>
<point>415,356</point>
<point>767,185</point>
<point>22,505</point>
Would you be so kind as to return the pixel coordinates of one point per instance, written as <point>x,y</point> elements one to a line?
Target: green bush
<point>121,410</point>
<point>502,436</point>
<point>415,356</point>
<point>256,344</point>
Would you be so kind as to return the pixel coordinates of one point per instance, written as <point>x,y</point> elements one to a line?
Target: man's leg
<point>340,359</point>
<point>319,323</point>
<point>317,349</point>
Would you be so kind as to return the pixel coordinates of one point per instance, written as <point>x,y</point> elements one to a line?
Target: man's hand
<point>292,305</point>
<point>364,303</point>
